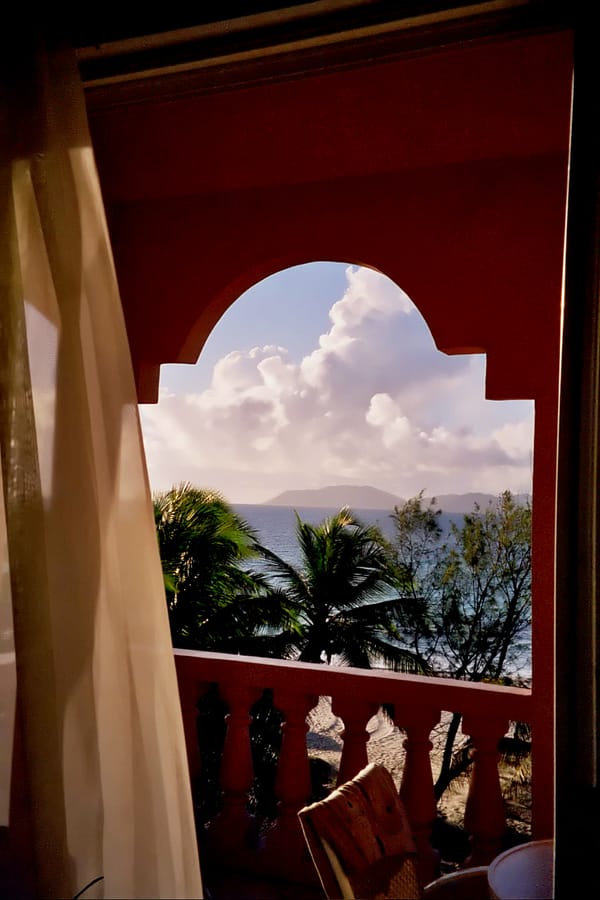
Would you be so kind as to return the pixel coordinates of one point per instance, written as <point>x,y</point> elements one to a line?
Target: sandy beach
<point>385,746</point>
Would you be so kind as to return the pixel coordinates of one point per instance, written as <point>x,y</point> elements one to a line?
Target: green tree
<point>340,596</point>
<point>215,601</point>
<point>416,563</point>
<point>471,612</point>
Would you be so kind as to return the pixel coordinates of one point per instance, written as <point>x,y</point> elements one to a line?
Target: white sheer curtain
<point>98,706</point>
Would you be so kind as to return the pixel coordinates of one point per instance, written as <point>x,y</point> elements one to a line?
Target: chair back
<point>361,842</point>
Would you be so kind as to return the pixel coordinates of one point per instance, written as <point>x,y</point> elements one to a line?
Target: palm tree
<point>339,596</point>
<point>214,601</point>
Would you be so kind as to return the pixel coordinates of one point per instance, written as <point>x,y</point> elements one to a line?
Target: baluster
<point>355,715</point>
<point>416,790</point>
<point>285,843</point>
<point>485,818</point>
<point>230,830</point>
<point>189,694</point>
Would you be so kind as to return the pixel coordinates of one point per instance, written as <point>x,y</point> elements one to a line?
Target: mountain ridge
<point>367,497</point>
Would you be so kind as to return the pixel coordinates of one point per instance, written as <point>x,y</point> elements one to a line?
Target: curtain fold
<point>8,675</point>
<point>98,704</point>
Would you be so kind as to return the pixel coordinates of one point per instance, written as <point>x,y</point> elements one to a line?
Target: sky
<point>327,374</point>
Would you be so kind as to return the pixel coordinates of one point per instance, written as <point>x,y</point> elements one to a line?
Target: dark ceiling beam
<point>287,40</point>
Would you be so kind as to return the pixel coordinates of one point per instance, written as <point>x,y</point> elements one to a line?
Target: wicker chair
<point>361,844</point>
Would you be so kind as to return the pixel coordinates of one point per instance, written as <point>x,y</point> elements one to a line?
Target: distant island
<point>366,497</point>
<point>353,495</point>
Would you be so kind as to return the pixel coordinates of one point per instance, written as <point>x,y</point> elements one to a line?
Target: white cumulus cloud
<point>374,402</point>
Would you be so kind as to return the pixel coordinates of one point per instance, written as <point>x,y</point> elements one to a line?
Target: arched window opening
<point>323,375</point>
<point>321,388</point>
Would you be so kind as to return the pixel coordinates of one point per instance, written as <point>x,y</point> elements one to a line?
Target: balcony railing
<point>417,702</point>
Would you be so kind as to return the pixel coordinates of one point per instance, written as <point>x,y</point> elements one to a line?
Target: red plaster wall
<point>485,274</point>
<point>446,171</point>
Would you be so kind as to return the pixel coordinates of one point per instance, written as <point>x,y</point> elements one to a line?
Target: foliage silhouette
<point>215,602</point>
<point>470,615</point>
<point>339,596</point>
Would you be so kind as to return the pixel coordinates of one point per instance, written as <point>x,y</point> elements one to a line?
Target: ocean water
<point>276,525</point>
